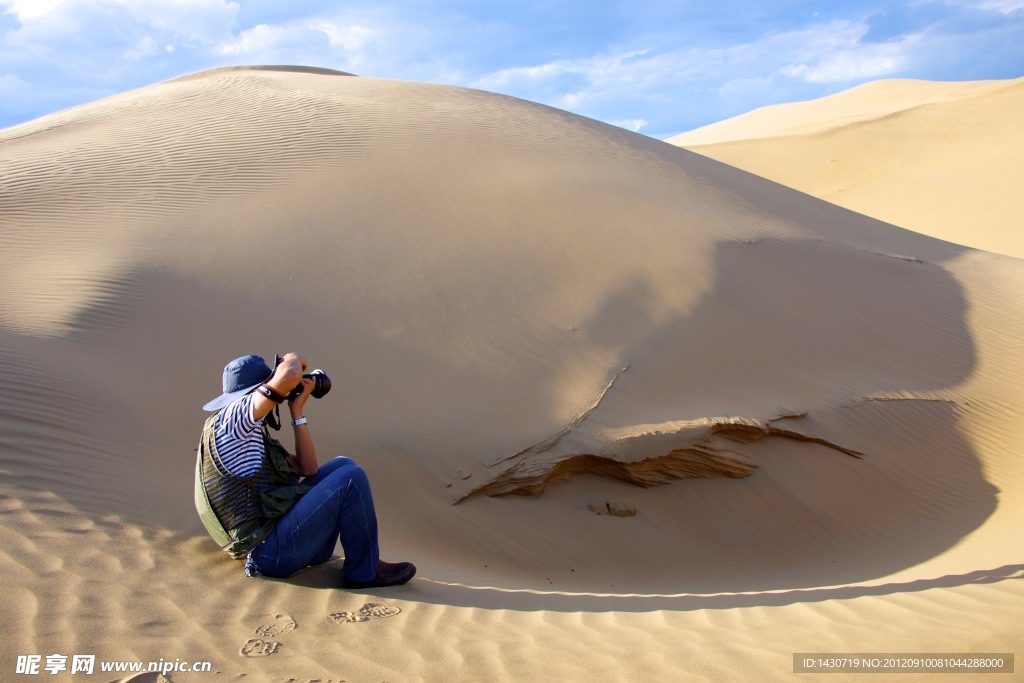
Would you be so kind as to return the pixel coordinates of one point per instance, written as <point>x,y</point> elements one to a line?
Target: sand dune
<point>943,159</point>
<point>812,414</point>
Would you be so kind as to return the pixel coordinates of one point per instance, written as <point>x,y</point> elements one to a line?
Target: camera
<point>321,385</point>
<point>321,382</point>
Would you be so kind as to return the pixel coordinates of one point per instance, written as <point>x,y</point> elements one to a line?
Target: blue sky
<point>657,66</point>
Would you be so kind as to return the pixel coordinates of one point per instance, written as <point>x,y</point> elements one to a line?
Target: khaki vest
<point>239,512</point>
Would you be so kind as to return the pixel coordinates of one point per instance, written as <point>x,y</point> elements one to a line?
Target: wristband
<point>300,421</point>
<point>269,392</point>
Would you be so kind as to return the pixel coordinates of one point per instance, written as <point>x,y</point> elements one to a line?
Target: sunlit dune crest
<point>943,159</point>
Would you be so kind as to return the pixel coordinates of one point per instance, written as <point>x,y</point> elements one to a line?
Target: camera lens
<point>322,383</point>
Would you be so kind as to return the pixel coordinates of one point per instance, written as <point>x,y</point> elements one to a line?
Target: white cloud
<point>827,52</point>
<point>843,67</point>
<point>254,40</point>
<point>703,84</point>
<point>313,41</point>
<point>838,56</point>
<point>1004,6</point>
<point>145,47</point>
<point>631,124</point>
<point>819,53</point>
<point>351,38</point>
<point>515,74</point>
<point>203,20</point>
<point>89,28</point>
<point>593,69</point>
<point>26,10</point>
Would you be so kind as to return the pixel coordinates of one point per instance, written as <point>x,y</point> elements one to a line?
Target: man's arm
<point>304,460</point>
<point>287,375</point>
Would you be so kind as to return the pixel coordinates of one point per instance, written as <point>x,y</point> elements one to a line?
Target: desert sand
<point>806,421</point>
<point>923,155</point>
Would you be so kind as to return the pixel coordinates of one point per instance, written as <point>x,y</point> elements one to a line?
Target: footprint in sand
<point>282,624</point>
<point>371,610</point>
<point>257,647</point>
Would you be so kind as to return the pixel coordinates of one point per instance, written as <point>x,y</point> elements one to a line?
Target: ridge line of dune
<point>697,459</point>
<point>280,68</point>
<point>551,442</point>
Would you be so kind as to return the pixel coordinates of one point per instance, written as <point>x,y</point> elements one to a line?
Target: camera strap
<point>269,392</point>
<point>273,418</point>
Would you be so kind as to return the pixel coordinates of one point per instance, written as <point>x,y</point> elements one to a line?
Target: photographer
<point>251,494</point>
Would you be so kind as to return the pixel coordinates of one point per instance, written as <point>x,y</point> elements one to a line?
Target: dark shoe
<point>388,574</point>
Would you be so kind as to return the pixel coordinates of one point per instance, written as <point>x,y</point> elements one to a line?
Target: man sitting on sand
<point>251,496</point>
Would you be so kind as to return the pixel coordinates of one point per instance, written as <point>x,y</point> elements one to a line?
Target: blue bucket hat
<point>241,376</point>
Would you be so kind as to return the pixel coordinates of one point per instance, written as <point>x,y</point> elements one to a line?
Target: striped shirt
<point>239,438</point>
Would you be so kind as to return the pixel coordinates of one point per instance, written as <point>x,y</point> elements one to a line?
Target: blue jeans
<point>340,504</point>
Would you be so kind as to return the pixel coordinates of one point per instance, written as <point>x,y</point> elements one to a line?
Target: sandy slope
<point>509,298</point>
<point>943,159</point>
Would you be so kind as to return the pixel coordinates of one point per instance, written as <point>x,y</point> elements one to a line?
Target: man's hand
<point>304,461</point>
<point>295,404</point>
<point>286,377</point>
<point>293,365</point>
